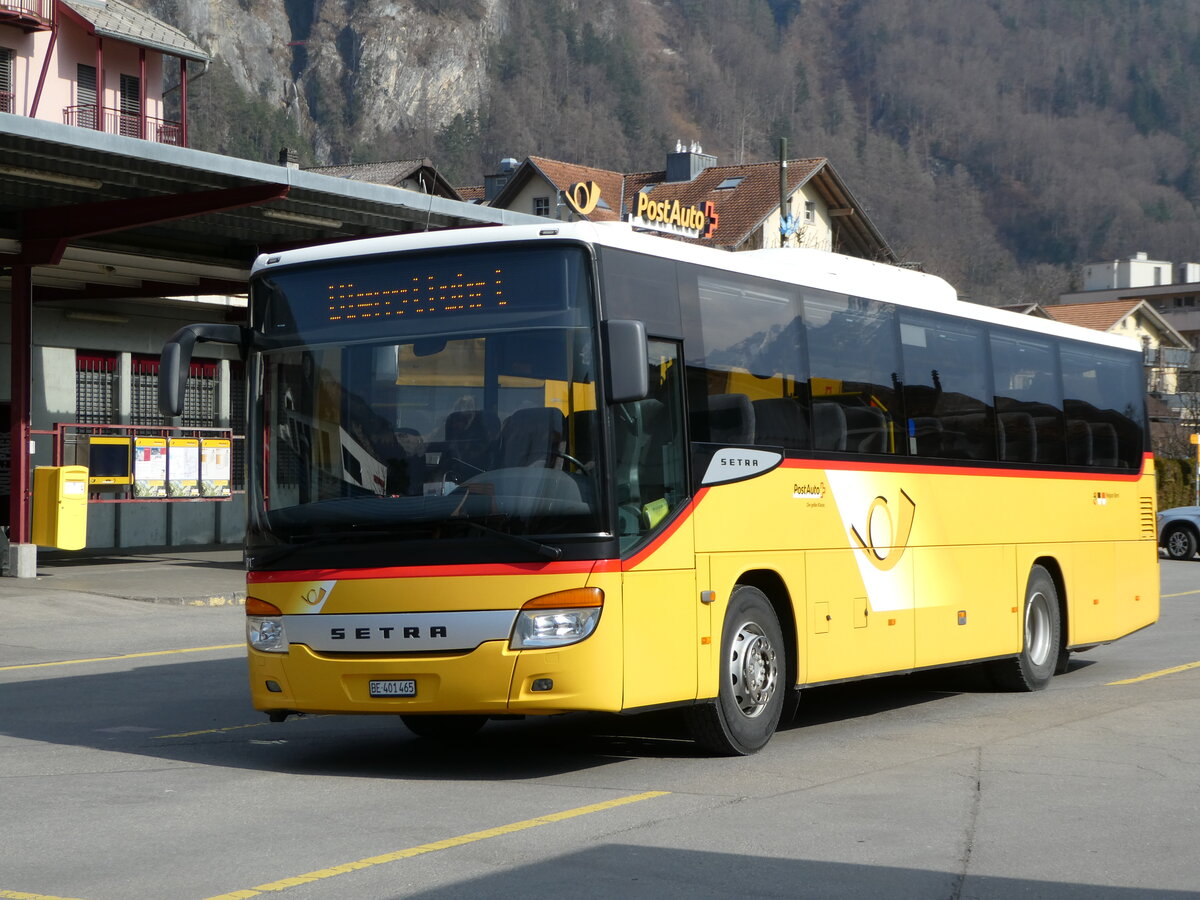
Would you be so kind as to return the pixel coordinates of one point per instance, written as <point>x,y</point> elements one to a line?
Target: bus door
<point>860,599</point>
<point>659,599</point>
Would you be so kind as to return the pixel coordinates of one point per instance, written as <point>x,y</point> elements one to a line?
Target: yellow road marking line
<point>1184,594</point>
<point>1159,674</point>
<point>459,841</point>
<point>184,734</point>
<point>21,895</point>
<point>74,662</point>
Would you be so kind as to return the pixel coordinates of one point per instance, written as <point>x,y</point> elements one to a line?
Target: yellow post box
<point>60,495</point>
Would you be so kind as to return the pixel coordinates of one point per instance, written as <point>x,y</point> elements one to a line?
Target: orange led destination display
<point>422,294</point>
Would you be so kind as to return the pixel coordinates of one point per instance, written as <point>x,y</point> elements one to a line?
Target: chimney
<point>688,161</point>
<point>289,158</point>
<point>493,184</point>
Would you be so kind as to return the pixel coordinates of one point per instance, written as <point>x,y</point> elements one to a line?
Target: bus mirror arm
<point>628,360</point>
<point>177,357</point>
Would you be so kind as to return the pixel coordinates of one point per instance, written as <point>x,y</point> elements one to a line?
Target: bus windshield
<point>435,416</point>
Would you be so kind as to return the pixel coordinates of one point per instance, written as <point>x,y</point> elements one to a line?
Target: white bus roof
<point>819,269</point>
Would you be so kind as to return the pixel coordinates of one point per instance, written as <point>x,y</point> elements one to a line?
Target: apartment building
<point>97,64</point>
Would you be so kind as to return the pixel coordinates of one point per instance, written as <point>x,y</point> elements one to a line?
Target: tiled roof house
<point>744,198</point>
<point>412,174</point>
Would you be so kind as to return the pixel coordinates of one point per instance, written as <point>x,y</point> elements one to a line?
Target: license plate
<point>404,687</point>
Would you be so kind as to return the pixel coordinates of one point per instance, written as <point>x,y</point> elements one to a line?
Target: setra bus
<point>530,470</point>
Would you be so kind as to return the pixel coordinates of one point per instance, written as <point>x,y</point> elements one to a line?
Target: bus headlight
<point>558,619</point>
<point>264,626</point>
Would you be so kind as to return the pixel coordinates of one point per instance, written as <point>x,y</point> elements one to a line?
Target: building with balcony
<point>96,64</point>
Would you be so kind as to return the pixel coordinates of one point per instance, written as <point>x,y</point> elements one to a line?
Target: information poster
<point>183,467</point>
<point>150,467</point>
<point>215,467</point>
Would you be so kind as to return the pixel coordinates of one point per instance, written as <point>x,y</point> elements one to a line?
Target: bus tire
<point>1041,643</point>
<point>1180,542</point>
<point>444,728</point>
<point>752,689</point>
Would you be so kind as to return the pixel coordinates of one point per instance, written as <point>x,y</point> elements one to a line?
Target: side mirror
<point>177,357</point>
<point>628,360</point>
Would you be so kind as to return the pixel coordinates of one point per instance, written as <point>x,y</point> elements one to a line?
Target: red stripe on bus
<point>852,466</point>
<point>572,567</point>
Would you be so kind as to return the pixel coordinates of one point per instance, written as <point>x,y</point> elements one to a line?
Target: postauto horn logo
<point>888,529</point>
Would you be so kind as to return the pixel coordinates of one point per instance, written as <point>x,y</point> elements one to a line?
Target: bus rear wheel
<point>752,689</point>
<point>444,728</point>
<point>1041,646</point>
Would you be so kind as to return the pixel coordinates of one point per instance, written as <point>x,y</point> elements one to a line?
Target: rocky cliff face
<point>364,70</point>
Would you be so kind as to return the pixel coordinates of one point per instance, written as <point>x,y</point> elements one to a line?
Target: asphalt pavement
<point>183,577</point>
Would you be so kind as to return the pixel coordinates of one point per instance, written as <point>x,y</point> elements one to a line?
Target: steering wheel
<point>569,458</point>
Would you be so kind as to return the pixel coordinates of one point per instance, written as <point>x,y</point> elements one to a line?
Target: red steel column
<point>22,358</point>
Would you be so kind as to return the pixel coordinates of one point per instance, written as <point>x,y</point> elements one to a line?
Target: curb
<point>214,600</point>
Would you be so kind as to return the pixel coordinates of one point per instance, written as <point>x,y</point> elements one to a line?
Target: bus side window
<point>947,387</point>
<point>1028,398</point>
<point>854,364</point>
<point>1102,398</point>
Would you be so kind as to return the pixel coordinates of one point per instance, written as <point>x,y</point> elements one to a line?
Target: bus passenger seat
<point>1049,439</point>
<point>471,437</point>
<point>1018,439</point>
<point>829,426</point>
<point>531,437</point>
<point>730,419</point>
<point>866,430</point>
<point>969,436</point>
<point>1104,444</point>
<point>1079,443</point>
<point>780,422</point>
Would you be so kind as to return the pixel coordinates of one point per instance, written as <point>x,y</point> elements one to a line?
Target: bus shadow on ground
<point>198,712</point>
<point>639,871</point>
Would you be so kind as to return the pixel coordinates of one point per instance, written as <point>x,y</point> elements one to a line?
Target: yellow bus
<point>532,470</point>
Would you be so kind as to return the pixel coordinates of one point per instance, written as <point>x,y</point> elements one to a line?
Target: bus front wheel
<point>1042,638</point>
<point>750,699</point>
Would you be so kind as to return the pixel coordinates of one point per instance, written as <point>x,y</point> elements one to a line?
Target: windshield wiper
<point>536,546</point>
<point>297,544</point>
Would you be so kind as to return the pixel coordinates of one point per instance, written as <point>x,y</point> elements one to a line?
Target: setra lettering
<point>388,632</point>
<point>739,462</point>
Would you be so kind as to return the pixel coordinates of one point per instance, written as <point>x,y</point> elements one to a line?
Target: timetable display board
<point>215,467</point>
<point>150,467</point>
<point>183,467</point>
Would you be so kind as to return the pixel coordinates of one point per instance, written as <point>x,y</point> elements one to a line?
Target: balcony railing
<point>31,15</point>
<point>1168,357</point>
<point>6,101</point>
<point>113,121</point>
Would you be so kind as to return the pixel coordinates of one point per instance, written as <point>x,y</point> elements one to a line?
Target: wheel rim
<point>1037,629</point>
<point>1177,543</point>
<point>753,669</point>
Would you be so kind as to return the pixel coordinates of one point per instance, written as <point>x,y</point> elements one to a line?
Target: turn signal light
<point>572,599</point>
<point>256,607</point>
